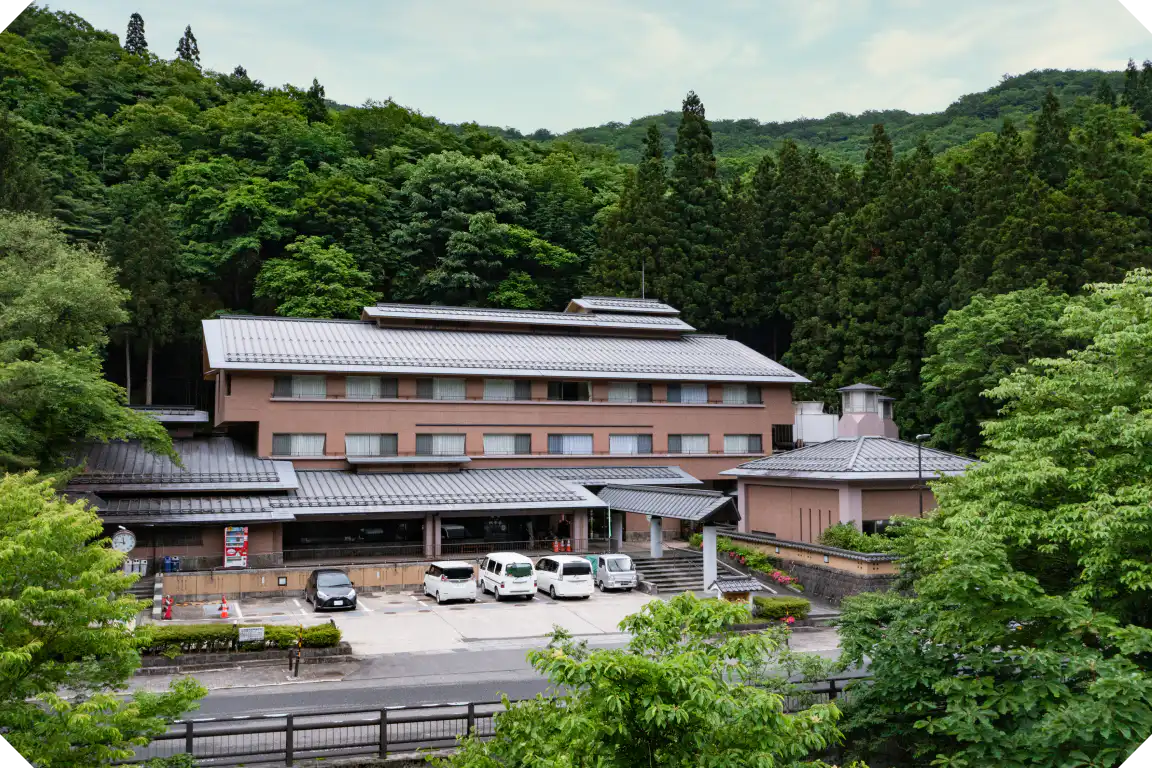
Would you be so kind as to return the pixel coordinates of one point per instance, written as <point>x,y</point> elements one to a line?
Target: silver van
<point>615,572</point>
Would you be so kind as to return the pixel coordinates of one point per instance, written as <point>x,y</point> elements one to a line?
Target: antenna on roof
<point>642,260</point>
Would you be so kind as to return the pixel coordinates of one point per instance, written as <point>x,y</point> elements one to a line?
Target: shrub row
<point>847,536</point>
<point>752,558</point>
<point>174,639</point>
<point>781,607</point>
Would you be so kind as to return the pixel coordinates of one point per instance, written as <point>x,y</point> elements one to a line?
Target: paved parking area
<point>407,621</point>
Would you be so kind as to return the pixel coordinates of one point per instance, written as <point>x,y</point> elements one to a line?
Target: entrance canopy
<point>703,507</point>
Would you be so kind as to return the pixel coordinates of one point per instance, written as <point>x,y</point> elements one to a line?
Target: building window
<point>370,445</point>
<point>370,387</point>
<point>569,390</point>
<point>782,437</point>
<point>297,445</point>
<point>687,443</point>
<point>300,386</point>
<point>688,393</point>
<point>742,394</point>
<point>629,392</point>
<point>507,445</point>
<point>439,445</point>
<point>743,444</point>
<point>629,444</point>
<point>570,445</point>
<point>507,389</point>
<point>440,389</point>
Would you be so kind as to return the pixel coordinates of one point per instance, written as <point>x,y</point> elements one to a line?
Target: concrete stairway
<point>144,587</point>
<point>677,571</point>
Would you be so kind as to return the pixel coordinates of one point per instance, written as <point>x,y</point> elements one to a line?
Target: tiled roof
<point>328,492</point>
<point>860,388</point>
<point>728,586</point>
<point>177,414</point>
<point>288,344</point>
<point>673,503</point>
<point>620,304</point>
<point>621,475</point>
<point>525,317</point>
<point>191,509</point>
<point>854,458</point>
<point>209,464</point>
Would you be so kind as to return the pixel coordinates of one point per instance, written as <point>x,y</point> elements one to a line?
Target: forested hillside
<point>844,138</point>
<point>211,192</point>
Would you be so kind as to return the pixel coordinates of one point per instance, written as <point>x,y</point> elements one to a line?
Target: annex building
<point>427,431</point>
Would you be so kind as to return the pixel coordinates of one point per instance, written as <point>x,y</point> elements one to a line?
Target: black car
<point>330,588</point>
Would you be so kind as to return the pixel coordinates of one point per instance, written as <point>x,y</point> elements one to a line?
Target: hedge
<point>781,607</point>
<point>754,559</point>
<point>173,639</point>
<point>846,536</point>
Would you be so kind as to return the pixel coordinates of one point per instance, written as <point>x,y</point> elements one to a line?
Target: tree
<point>1050,143</point>
<point>315,110</point>
<point>1105,94</point>
<point>134,41</point>
<point>686,691</point>
<point>315,280</point>
<point>1022,635</point>
<point>66,613</point>
<point>975,347</point>
<point>57,302</point>
<point>187,49</point>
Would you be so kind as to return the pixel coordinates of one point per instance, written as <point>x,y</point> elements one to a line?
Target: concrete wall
<point>250,400</point>
<point>789,512</point>
<point>830,576</point>
<point>883,504</point>
<point>265,582</point>
<point>265,546</point>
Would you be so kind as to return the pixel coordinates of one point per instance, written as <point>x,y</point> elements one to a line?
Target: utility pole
<point>920,470</point>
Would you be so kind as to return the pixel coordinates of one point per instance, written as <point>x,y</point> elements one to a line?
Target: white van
<point>506,574</point>
<point>615,572</point>
<point>564,576</point>
<point>450,580</point>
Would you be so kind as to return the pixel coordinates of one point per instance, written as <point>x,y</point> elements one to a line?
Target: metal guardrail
<point>283,739</point>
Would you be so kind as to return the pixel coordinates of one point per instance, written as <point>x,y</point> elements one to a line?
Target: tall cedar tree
<point>187,49</point>
<point>1050,143</point>
<point>134,41</point>
<point>629,257</point>
<point>691,275</point>
<point>315,110</point>
<point>1104,94</point>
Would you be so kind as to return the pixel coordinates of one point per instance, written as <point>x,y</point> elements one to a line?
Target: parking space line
<point>239,613</point>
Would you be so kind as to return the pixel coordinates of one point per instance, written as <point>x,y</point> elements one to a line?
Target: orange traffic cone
<point>223,607</point>
<point>555,546</point>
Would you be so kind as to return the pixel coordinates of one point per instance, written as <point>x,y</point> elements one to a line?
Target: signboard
<point>251,634</point>
<point>124,540</point>
<point>236,546</point>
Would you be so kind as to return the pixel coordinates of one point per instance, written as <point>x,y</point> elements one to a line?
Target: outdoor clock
<point>123,540</point>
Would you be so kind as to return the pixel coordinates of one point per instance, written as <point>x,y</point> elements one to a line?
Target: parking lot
<point>398,622</point>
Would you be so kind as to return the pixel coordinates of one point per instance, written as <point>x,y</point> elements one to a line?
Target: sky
<point>559,65</point>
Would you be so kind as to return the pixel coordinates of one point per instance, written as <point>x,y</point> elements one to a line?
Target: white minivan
<point>507,574</point>
<point>564,576</point>
<point>450,580</point>
<point>615,572</point>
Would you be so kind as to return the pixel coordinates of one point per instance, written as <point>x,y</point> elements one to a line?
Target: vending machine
<point>236,546</point>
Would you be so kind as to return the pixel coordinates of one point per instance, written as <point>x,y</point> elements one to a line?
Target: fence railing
<point>448,548</point>
<point>286,738</point>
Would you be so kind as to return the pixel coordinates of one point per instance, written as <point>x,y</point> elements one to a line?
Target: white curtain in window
<point>694,443</point>
<point>500,444</point>
<point>693,393</point>
<point>307,445</point>
<point>448,389</point>
<point>578,445</point>
<point>362,387</point>
<point>624,444</point>
<point>448,445</point>
<point>499,389</point>
<point>856,402</point>
<point>735,443</point>
<point>736,394</point>
<point>622,392</point>
<point>362,445</point>
<point>309,386</point>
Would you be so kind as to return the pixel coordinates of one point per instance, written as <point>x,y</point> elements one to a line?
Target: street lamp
<point>920,470</point>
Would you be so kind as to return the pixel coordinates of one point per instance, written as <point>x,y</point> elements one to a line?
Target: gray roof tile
<point>264,343</point>
<point>729,586</point>
<point>854,457</point>
<point>178,510</point>
<point>525,317</point>
<point>673,503</point>
<point>621,304</point>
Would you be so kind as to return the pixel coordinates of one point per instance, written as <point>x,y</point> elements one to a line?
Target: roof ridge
<point>668,489</point>
<point>337,320</point>
<point>856,453</point>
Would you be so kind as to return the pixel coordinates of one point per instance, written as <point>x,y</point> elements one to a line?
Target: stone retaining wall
<point>163,665</point>
<point>834,585</point>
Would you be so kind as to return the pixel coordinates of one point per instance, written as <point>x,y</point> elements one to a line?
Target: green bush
<point>781,607</point>
<point>846,536</point>
<point>174,639</point>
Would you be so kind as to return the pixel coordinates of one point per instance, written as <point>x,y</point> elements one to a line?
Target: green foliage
<point>1024,639</point>
<point>162,639</point>
<point>56,303</point>
<point>175,761</point>
<point>315,281</point>
<point>187,49</point>
<point>134,41</point>
<point>65,609</point>
<point>978,345</point>
<point>848,536</point>
<point>781,607</point>
<point>684,692</point>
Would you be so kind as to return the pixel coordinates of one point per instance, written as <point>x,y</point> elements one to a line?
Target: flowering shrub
<point>753,559</point>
